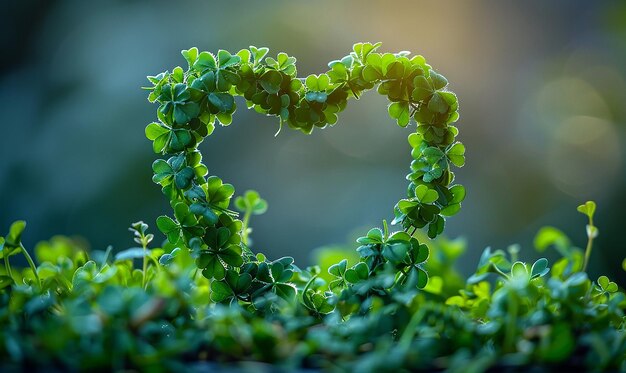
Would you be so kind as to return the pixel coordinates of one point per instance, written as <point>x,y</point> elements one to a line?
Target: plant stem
<point>509,337</point>
<point>145,264</point>
<point>7,266</point>
<point>246,221</point>
<point>411,328</point>
<point>30,263</point>
<point>591,229</point>
<point>588,253</point>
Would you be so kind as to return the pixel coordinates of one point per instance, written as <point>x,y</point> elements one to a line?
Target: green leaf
<point>400,112</point>
<point>155,130</point>
<point>258,53</point>
<point>317,83</point>
<point>204,211</point>
<point>339,269</point>
<point>519,270</point>
<point>436,226</point>
<point>179,140</point>
<point>395,253</point>
<point>423,90</point>
<point>162,168</point>
<point>225,118</point>
<point>225,59</point>
<point>458,193</point>
<point>183,113</point>
<point>357,273</point>
<point>422,278</point>
<point>363,50</point>
<point>243,283</point>
<point>426,195</point>
<point>219,193</point>
<point>439,81</point>
<point>456,154</point>
<point>214,268</point>
<point>167,259</point>
<point>131,253</point>
<point>220,291</point>
<point>422,254</point>
<point>245,55</point>
<point>607,285</point>
<point>271,81</point>
<point>437,104</point>
<point>451,209</point>
<point>539,268</point>
<point>7,251</point>
<point>374,236</point>
<point>286,291</point>
<point>612,287</point>
<point>190,55</point>
<point>169,227</point>
<point>550,236</point>
<point>251,201</point>
<point>205,61</point>
<point>5,281</point>
<point>232,256</point>
<point>603,281</point>
<point>223,102</point>
<point>588,208</point>
<point>371,73</point>
<point>14,238</point>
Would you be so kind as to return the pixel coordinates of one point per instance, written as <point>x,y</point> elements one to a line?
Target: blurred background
<point>542,90</point>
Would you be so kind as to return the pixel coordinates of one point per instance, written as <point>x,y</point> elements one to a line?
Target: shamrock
<point>233,286</point>
<point>223,68</point>
<point>420,210</point>
<point>185,224</point>
<point>215,250</point>
<point>275,276</point>
<point>412,272</point>
<point>176,104</point>
<point>173,170</point>
<point>283,63</point>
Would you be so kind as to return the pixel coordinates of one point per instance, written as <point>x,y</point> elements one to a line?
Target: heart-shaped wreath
<point>191,102</point>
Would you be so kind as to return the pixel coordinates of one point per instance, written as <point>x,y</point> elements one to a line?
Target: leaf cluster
<point>206,297</point>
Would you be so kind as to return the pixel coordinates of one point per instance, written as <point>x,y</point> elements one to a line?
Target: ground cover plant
<point>205,296</point>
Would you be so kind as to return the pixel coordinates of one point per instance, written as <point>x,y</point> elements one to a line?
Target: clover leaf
<point>186,224</point>
<point>251,201</point>
<point>224,76</point>
<point>233,286</point>
<point>338,270</point>
<point>540,268</point>
<point>258,54</point>
<point>418,210</point>
<point>214,250</point>
<point>430,164</point>
<point>456,154</point>
<point>217,102</point>
<point>357,273</point>
<point>453,198</point>
<point>283,63</point>
<point>173,170</point>
<point>275,277</point>
<point>175,102</point>
<point>218,193</point>
<point>606,285</point>
<point>11,244</point>
<point>362,50</point>
<point>400,112</point>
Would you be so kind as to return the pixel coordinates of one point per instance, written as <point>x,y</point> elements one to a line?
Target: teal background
<point>541,88</point>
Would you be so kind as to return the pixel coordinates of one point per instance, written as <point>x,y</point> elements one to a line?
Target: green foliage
<point>398,304</point>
